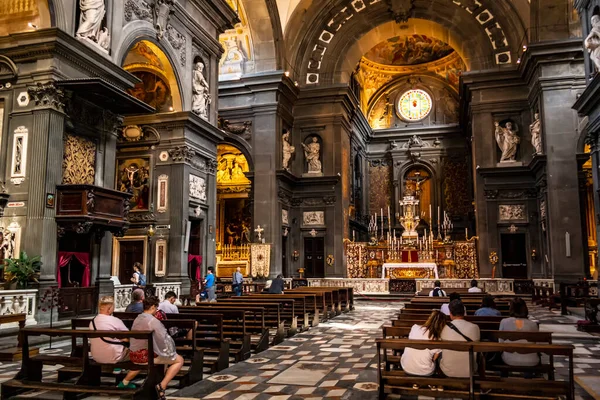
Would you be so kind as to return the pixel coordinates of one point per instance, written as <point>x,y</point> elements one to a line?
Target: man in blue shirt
<point>238,281</point>
<point>209,285</point>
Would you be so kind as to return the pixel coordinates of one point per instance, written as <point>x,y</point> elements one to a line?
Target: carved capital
<point>83,227</point>
<point>296,202</point>
<point>182,154</point>
<point>47,95</point>
<point>211,166</point>
<point>490,194</point>
<point>329,200</point>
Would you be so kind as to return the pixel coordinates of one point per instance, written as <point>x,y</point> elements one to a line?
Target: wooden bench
<point>306,305</point>
<point>290,307</point>
<point>479,384</point>
<point>482,322</point>
<point>209,336</point>
<point>88,382</point>
<point>252,320</point>
<point>192,355</point>
<point>346,295</point>
<point>14,353</point>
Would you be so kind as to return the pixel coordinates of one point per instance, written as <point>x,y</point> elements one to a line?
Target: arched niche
<point>421,176</point>
<point>159,87</point>
<point>24,15</point>
<point>238,57</point>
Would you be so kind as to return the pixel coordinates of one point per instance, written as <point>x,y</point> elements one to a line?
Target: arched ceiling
<point>325,42</point>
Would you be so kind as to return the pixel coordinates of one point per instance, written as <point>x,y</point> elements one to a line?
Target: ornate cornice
<point>182,154</point>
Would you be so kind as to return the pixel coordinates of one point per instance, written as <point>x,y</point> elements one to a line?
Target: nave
<point>337,360</point>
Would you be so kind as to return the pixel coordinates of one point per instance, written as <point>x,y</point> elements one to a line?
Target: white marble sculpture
<point>104,39</point>
<point>288,150</point>
<point>507,140</point>
<point>592,42</point>
<point>201,94</point>
<point>536,134</point>
<point>90,20</point>
<point>312,153</point>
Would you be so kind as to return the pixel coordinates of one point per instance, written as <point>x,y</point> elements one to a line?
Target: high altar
<point>410,255</point>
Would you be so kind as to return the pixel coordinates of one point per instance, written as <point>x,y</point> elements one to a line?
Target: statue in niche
<point>536,134</point>
<point>288,149</point>
<point>201,95</point>
<point>311,153</point>
<point>592,42</point>
<point>507,140</point>
<point>90,20</point>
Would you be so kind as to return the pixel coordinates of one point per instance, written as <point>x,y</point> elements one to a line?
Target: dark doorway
<point>314,257</point>
<point>514,256</point>
<point>130,252</point>
<point>284,264</point>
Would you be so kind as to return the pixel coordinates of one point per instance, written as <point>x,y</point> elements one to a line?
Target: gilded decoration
<point>409,50</point>
<point>238,57</point>
<point>456,187</point>
<point>356,257</point>
<point>79,161</point>
<point>380,186</point>
<point>231,166</point>
<point>465,258</point>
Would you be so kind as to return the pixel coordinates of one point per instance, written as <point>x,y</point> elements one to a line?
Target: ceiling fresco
<point>409,50</point>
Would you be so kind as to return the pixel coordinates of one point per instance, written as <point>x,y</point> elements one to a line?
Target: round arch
<point>435,197</point>
<point>243,147</point>
<point>141,31</point>
<point>319,40</point>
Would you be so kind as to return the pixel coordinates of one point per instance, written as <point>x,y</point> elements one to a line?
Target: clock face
<point>414,105</point>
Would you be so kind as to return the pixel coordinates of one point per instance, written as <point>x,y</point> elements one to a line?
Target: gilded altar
<point>457,260</point>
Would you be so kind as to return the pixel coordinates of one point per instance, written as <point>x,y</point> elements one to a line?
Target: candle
<point>438,219</point>
<point>430,220</point>
<point>467,233</point>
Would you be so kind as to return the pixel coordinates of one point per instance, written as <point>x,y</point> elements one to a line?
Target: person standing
<point>209,285</point>
<point>238,282</point>
<point>138,278</point>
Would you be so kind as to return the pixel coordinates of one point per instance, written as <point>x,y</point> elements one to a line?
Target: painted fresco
<point>409,50</point>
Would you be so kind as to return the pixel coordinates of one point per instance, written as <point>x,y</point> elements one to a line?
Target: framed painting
<point>133,174</point>
<point>161,258</point>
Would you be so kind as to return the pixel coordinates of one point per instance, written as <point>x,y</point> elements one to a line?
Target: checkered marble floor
<point>336,360</point>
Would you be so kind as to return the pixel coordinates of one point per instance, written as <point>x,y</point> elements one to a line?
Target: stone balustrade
<point>364,286</point>
<point>122,293</point>
<point>19,302</point>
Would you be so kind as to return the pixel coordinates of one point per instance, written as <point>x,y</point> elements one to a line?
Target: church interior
<point>378,159</point>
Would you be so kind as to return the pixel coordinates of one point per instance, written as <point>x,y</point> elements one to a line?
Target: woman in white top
<point>422,362</point>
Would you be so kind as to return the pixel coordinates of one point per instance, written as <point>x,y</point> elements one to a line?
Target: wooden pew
<point>14,353</point>
<point>192,355</point>
<point>481,323</point>
<point>88,382</point>
<point>480,385</point>
<point>209,336</point>
<point>391,332</point>
<point>305,309</point>
<point>253,322</point>
<point>290,305</point>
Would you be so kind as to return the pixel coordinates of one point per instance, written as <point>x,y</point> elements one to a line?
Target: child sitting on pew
<point>110,350</point>
<point>164,346</point>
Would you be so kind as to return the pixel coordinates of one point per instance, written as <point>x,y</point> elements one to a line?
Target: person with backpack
<point>138,279</point>
<point>437,291</point>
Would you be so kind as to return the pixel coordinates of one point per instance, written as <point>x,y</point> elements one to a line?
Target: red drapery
<point>64,257</point>
<point>198,259</point>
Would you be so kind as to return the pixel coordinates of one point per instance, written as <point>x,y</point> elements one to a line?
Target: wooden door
<point>514,256</point>
<point>314,257</point>
<point>131,251</point>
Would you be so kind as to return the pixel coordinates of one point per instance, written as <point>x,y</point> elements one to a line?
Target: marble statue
<point>536,134</point>
<point>592,42</point>
<point>507,140</point>
<point>288,149</point>
<point>311,153</point>
<point>90,20</point>
<point>104,38</point>
<point>200,89</point>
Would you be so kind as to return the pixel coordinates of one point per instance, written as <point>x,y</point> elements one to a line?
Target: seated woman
<point>423,362</point>
<point>488,308</point>
<point>163,345</point>
<point>518,321</point>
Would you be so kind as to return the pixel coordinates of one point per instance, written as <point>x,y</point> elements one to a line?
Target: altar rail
<point>498,285</point>
<point>18,302</point>
<point>122,293</point>
<point>364,286</point>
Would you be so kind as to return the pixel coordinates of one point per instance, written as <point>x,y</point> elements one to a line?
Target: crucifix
<point>417,180</point>
<point>131,171</point>
<point>259,232</point>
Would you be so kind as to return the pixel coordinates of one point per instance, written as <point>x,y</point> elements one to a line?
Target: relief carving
<point>197,188</point>
<point>177,40</point>
<point>242,129</point>
<point>137,10</point>
<point>511,212</point>
<point>79,161</point>
<point>47,95</point>
<point>182,153</point>
<point>310,218</point>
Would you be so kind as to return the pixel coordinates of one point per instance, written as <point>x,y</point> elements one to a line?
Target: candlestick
<point>389,220</point>
<point>466,233</point>
<point>430,220</point>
